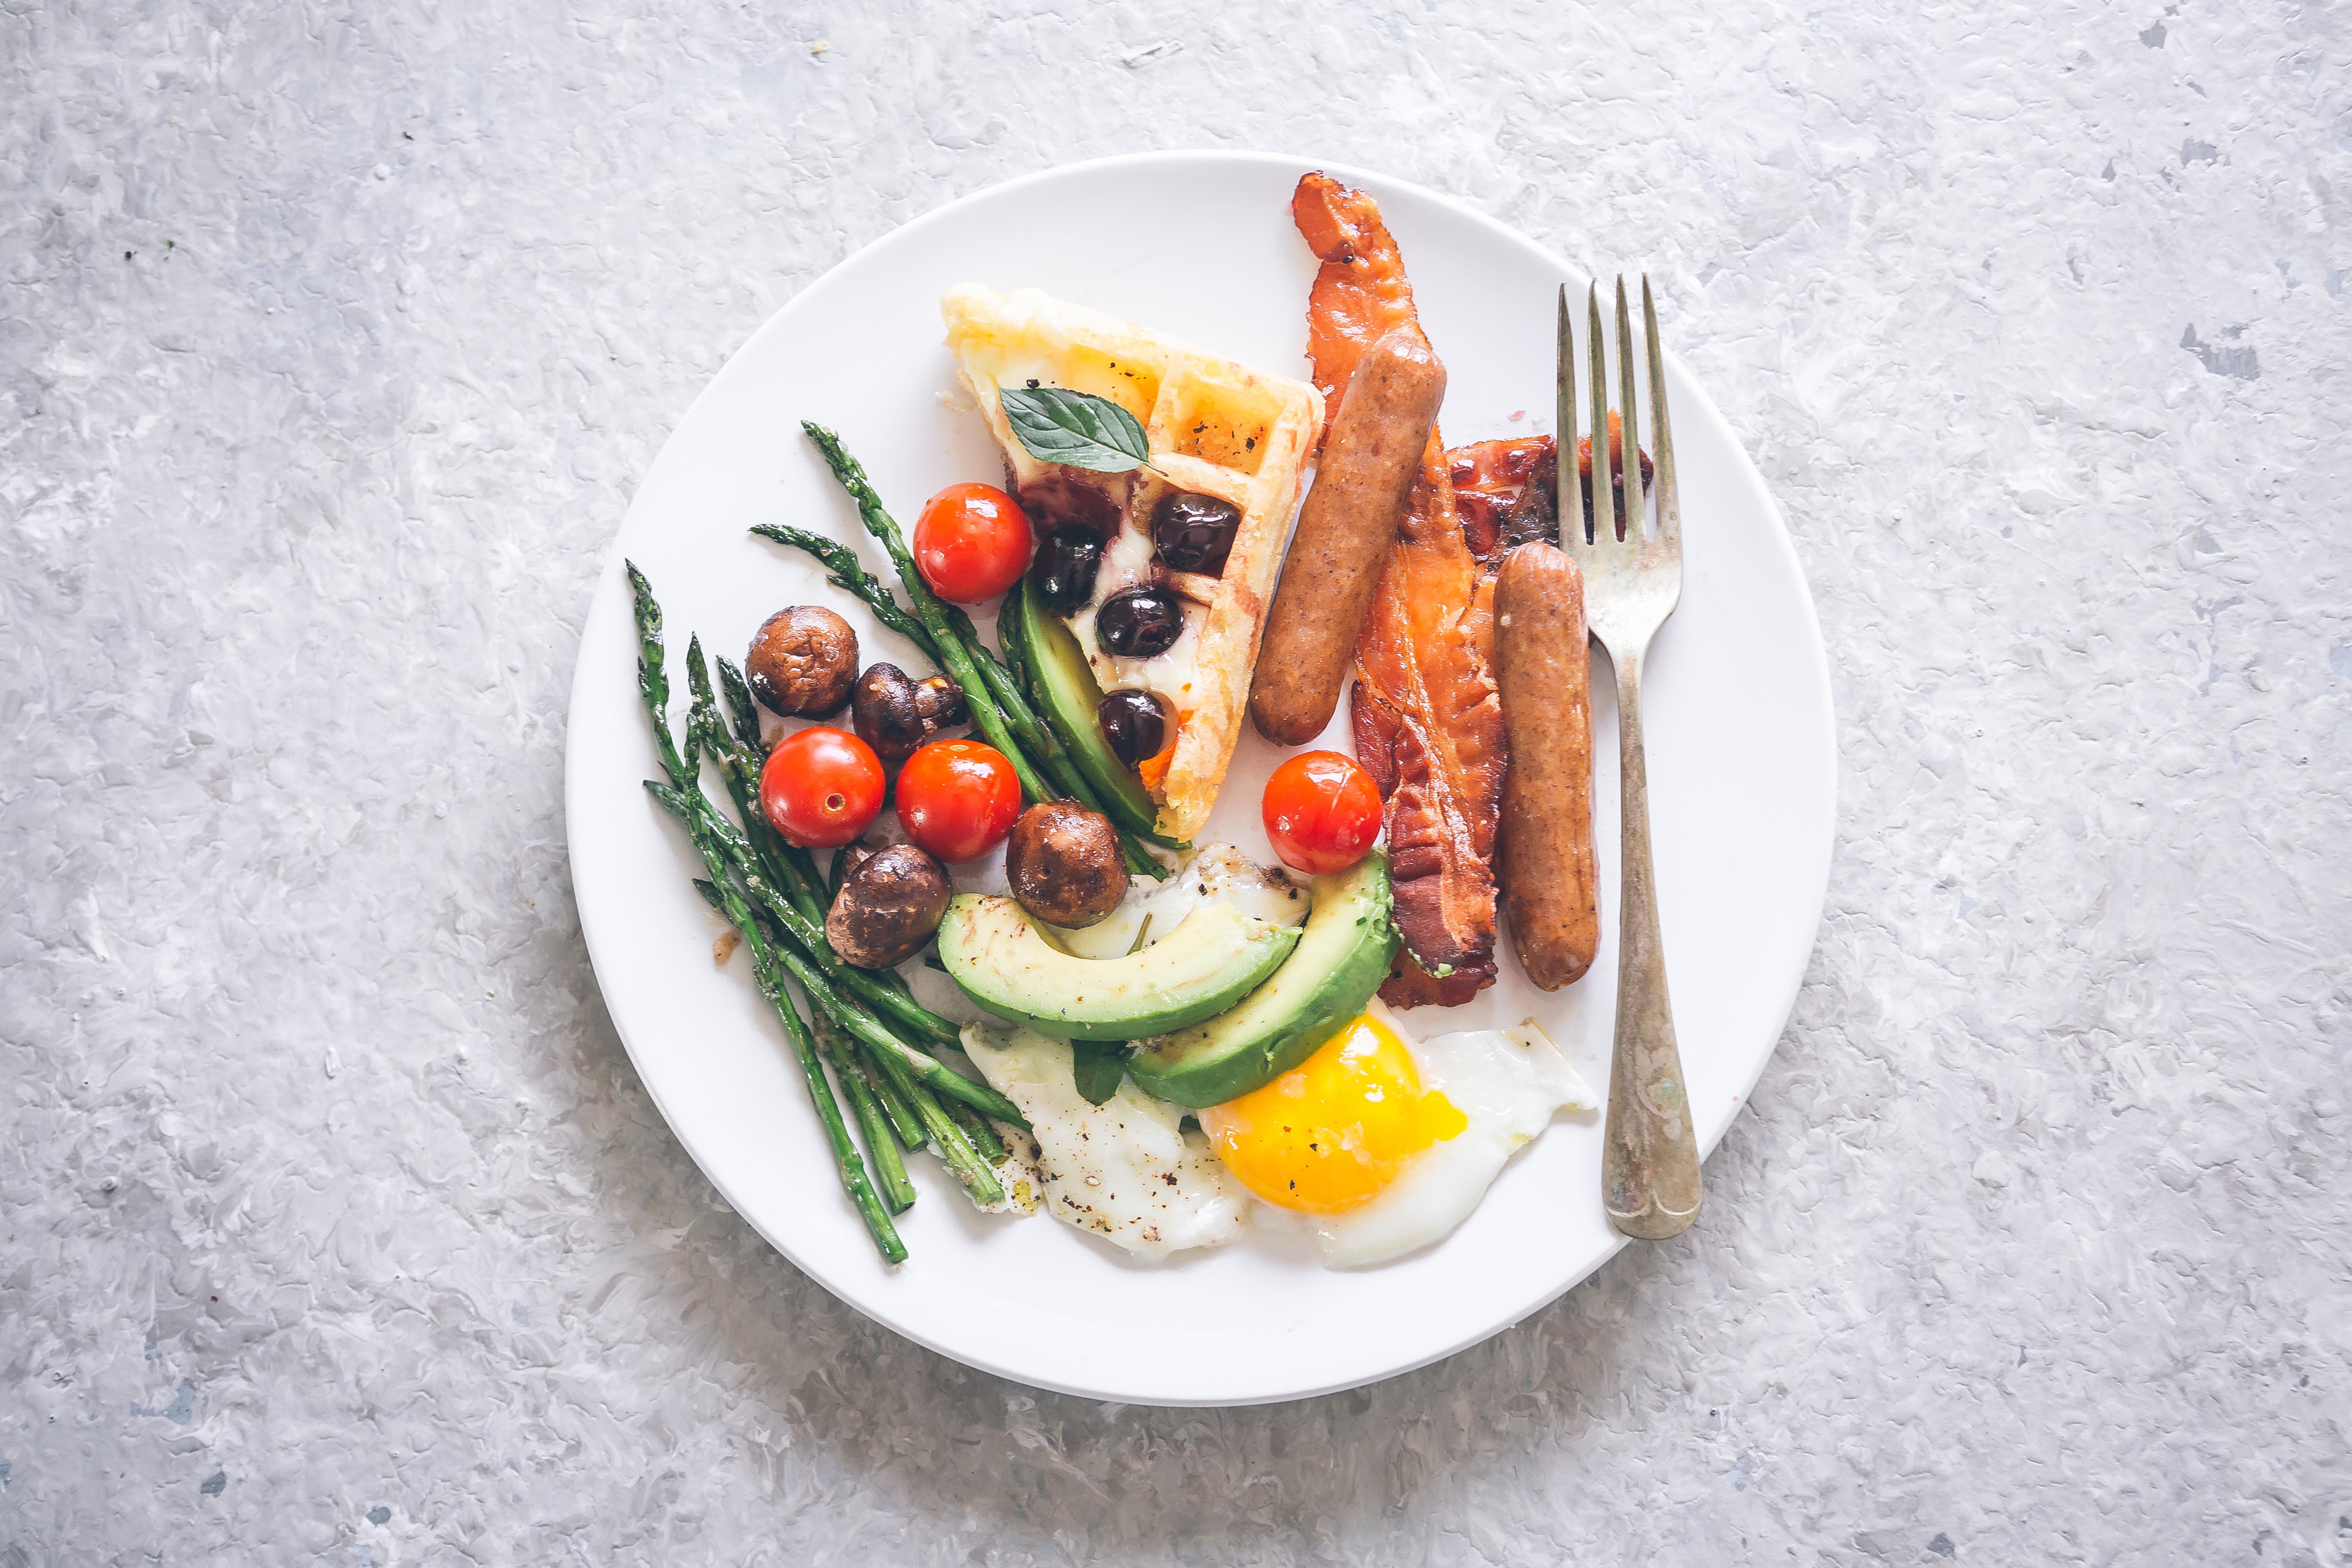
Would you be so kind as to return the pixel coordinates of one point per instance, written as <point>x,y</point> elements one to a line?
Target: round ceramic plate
<point>1200,246</point>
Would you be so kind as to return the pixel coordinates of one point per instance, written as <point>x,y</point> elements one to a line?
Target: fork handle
<point>1649,1169</point>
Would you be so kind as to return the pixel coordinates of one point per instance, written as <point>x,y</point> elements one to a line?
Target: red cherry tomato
<point>972,542</point>
<point>822,787</point>
<point>958,799</point>
<point>1322,812</point>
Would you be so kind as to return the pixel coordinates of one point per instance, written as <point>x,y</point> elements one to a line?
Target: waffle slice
<point>1217,428</point>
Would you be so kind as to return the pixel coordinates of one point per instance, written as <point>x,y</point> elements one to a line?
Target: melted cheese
<point>1128,561</point>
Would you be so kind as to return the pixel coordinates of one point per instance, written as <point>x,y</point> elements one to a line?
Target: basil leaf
<point>1096,1066</point>
<point>1059,425</point>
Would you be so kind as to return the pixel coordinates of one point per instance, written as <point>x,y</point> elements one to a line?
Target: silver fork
<point>1632,580</point>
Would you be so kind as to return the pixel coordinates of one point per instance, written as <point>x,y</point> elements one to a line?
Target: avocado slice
<point>1341,959</point>
<point>1215,957</point>
<point>1067,691</point>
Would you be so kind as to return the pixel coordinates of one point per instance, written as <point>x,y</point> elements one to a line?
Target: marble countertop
<point>334,1226</point>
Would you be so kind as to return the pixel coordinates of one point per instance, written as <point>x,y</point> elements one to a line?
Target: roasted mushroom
<point>1063,863</point>
<point>896,714</point>
<point>803,662</point>
<point>847,859</point>
<point>888,908</point>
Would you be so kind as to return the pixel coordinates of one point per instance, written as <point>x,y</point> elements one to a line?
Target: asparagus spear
<point>854,1019</point>
<point>927,1070</point>
<point>911,1112</point>
<point>909,1107</point>
<point>653,678</point>
<point>739,764</point>
<point>844,1153</point>
<point>740,710</point>
<point>717,840</point>
<point>843,571</point>
<point>653,684</point>
<point>868,985</point>
<point>954,653</point>
<point>873,1124</point>
<point>976,1128</point>
<point>897,1106</point>
<point>949,1139</point>
<point>875,1109</point>
<point>880,990</point>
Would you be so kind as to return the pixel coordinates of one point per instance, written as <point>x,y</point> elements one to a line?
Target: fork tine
<point>1569,507</point>
<point>1628,459</point>
<point>1605,527</point>
<point>1661,435</point>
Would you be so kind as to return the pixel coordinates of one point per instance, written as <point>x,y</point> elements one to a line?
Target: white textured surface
<point>333,1224</point>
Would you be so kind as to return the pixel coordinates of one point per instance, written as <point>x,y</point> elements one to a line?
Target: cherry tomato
<point>958,799</point>
<point>822,787</point>
<point>972,542</point>
<point>1322,812</point>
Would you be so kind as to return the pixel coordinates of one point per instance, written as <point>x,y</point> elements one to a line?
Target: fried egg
<point>1126,1170</point>
<point>1379,1144</point>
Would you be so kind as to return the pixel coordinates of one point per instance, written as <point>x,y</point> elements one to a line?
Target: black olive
<point>1063,576</point>
<point>1139,622</point>
<point>1194,533</point>
<point>1135,724</point>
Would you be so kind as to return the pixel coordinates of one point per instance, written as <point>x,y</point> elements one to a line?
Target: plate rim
<point>610,569</point>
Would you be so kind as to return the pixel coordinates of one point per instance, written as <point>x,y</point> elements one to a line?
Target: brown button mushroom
<point>850,856</point>
<point>898,715</point>
<point>803,662</point>
<point>1063,863</point>
<point>888,906</point>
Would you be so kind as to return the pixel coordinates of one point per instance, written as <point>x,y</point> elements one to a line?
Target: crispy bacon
<point>1508,491</point>
<point>1616,472</point>
<point>1427,720</point>
<point>1507,494</point>
<point>1428,723</point>
<point>1359,291</point>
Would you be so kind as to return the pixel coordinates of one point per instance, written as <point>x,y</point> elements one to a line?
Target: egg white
<point>1125,1170</point>
<point>1507,1082</point>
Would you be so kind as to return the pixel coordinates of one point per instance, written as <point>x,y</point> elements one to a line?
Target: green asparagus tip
<point>649,616</point>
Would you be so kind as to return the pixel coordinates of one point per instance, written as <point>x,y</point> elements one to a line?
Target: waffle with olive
<point>1164,571</point>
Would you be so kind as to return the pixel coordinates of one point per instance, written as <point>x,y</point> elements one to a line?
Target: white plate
<point>1200,245</point>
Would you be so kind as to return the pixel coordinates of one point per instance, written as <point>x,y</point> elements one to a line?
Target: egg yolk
<point>1333,1131</point>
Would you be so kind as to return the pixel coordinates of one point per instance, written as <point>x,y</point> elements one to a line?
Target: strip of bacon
<point>1359,291</point>
<point>1507,494</point>
<point>1427,719</point>
<point>1429,724</point>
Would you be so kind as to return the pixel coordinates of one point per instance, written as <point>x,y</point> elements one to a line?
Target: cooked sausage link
<point>1345,530</point>
<point>1550,878</point>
